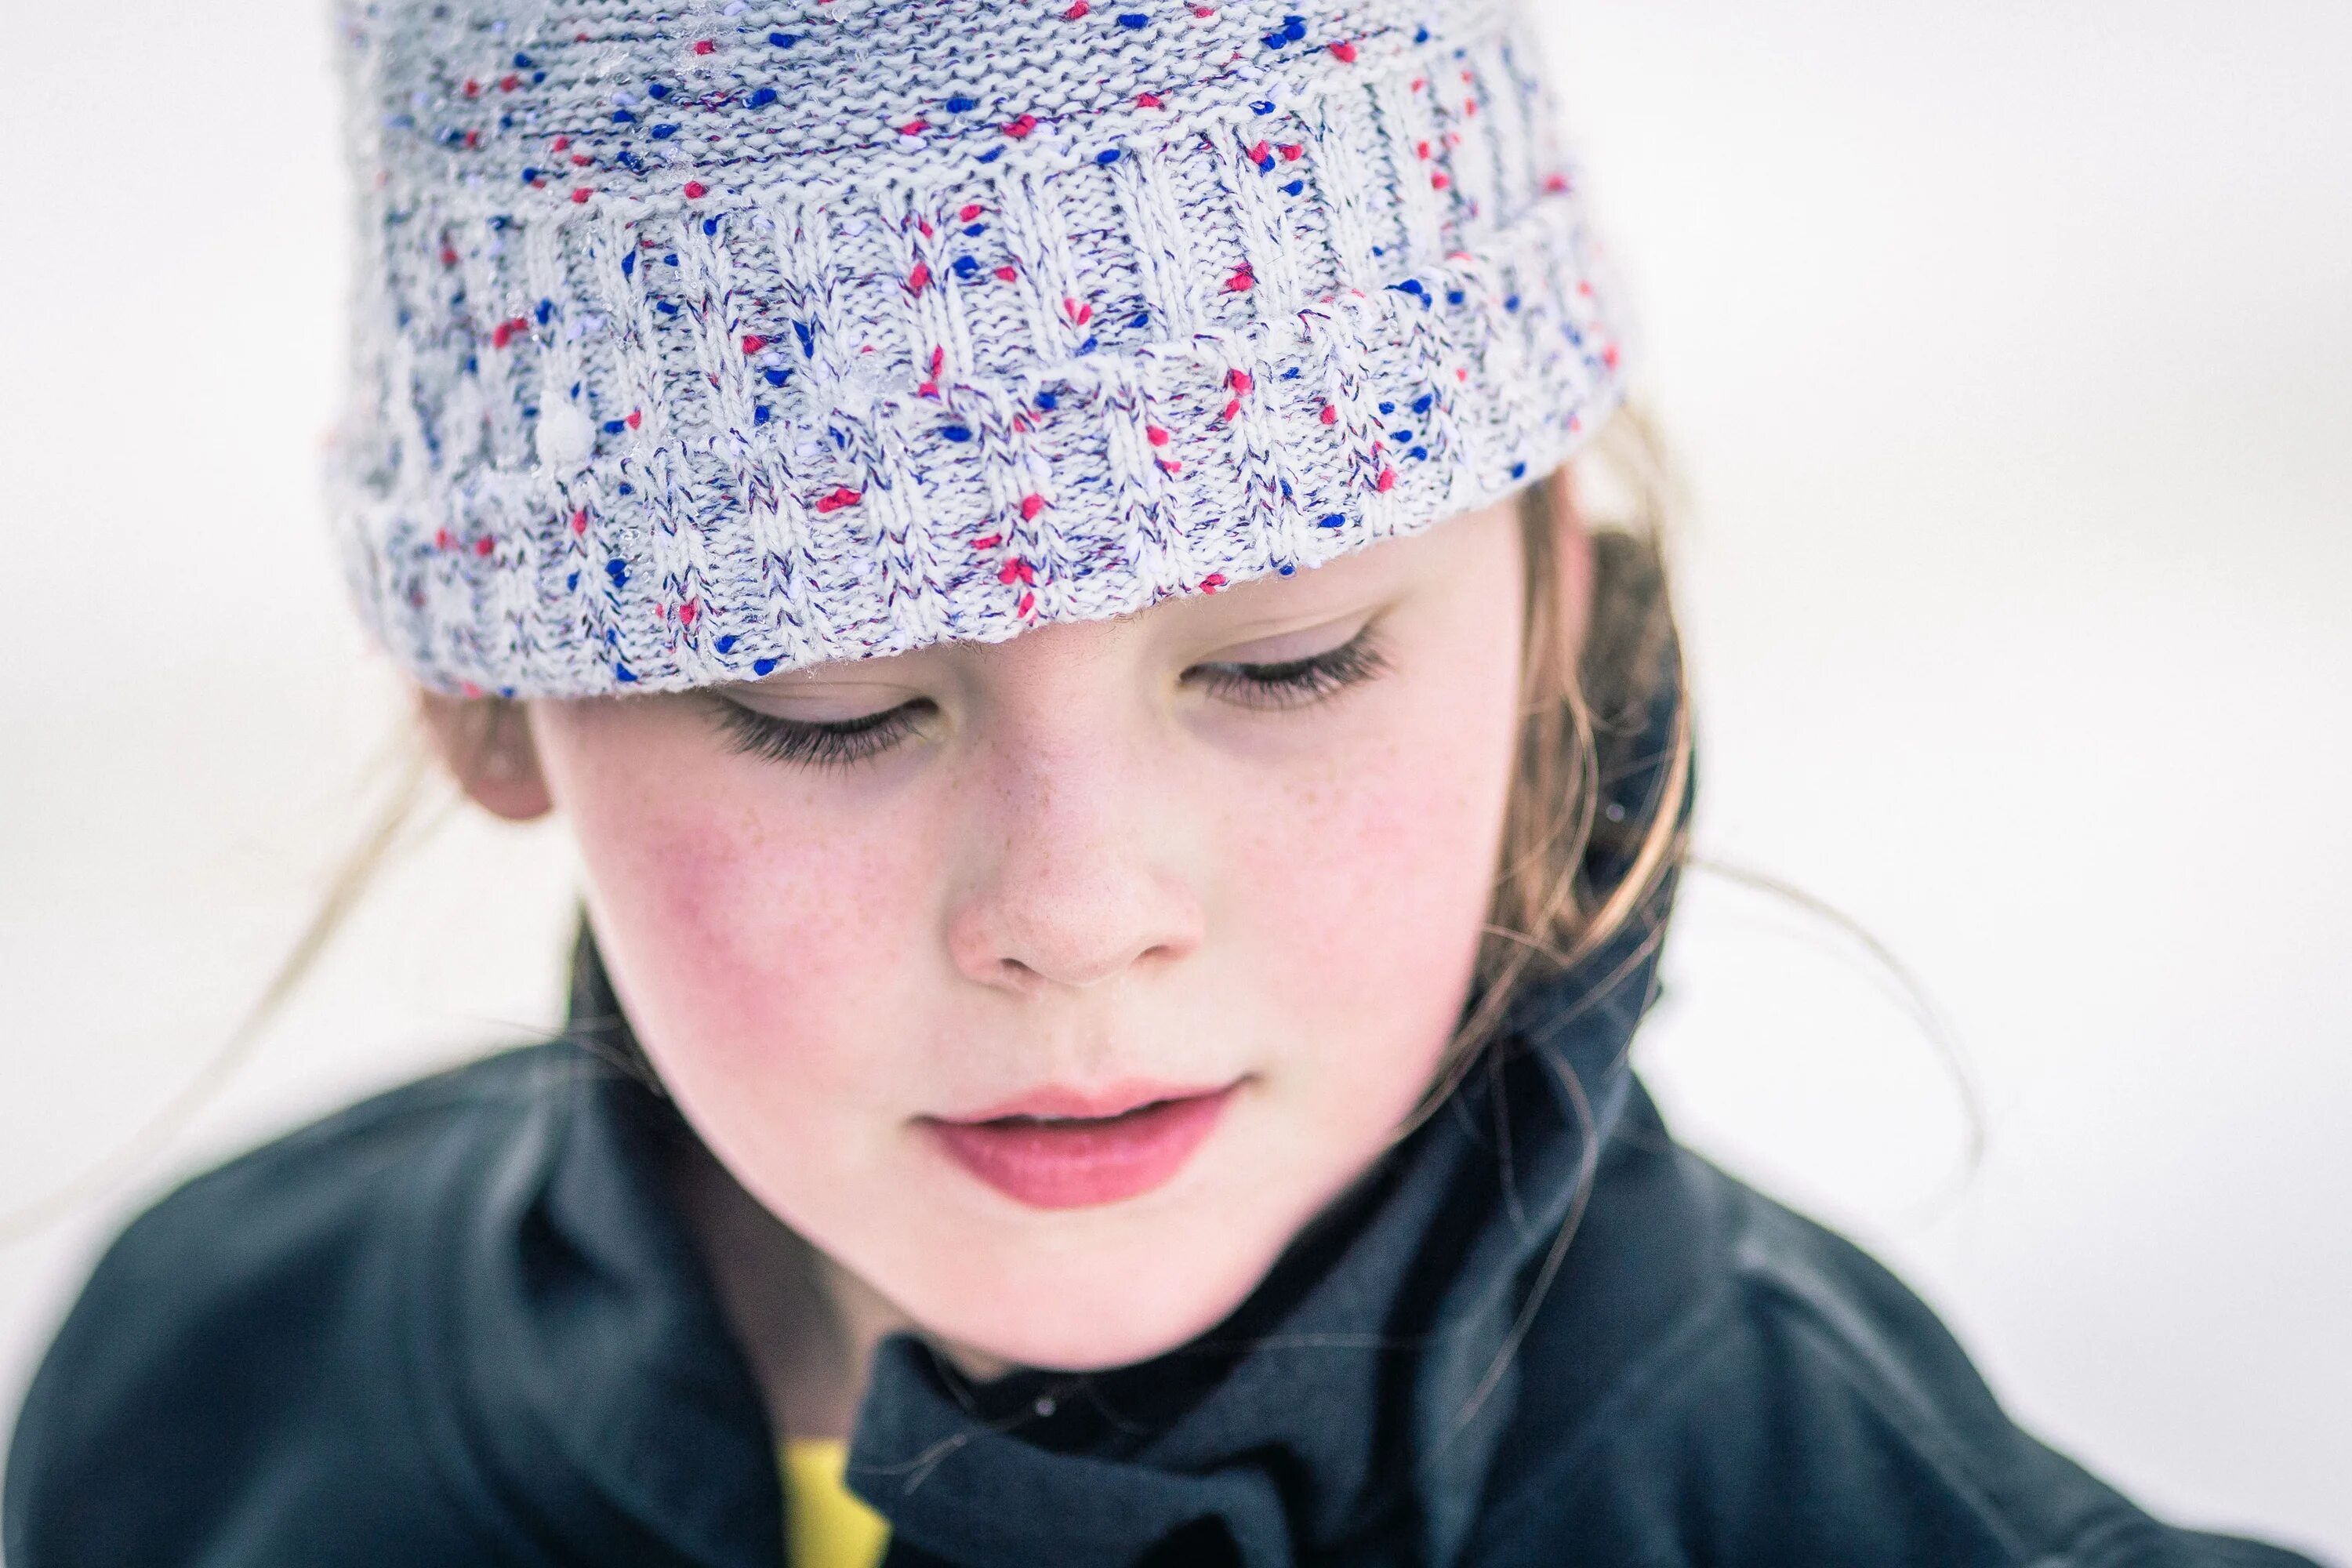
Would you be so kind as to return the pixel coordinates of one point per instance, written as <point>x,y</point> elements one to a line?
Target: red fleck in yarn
<point>1386,483</point>
<point>1016,128</point>
<point>1242,279</point>
<point>1155,435</point>
<point>919,277</point>
<point>704,46</point>
<point>1212,582</point>
<point>842,496</point>
<point>1330,416</point>
<point>1006,274</point>
<point>484,545</point>
<point>695,190</point>
<point>1344,53</point>
<point>1030,505</point>
<point>1077,9</point>
<point>1028,604</point>
<point>988,541</point>
<point>1239,380</point>
<point>581,194</point>
<point>1148,100</point>
<point>753,342</point>
<point>580,521</point>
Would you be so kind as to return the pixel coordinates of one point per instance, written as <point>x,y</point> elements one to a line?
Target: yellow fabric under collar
<point>827,1525</point>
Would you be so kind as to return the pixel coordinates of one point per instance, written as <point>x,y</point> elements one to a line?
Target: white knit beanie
<point>696,342</point>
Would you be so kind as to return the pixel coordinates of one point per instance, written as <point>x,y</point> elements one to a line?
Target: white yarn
<point>682,354</point>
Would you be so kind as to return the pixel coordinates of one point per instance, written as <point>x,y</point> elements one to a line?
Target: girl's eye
<point>836,743</point>
<point>1294,682</point>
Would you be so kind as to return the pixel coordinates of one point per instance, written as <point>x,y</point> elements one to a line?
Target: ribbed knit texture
<point>695,343</point>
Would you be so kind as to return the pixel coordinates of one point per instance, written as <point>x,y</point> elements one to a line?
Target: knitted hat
<point>699,341</point>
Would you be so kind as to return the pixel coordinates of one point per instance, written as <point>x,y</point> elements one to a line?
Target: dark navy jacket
<point>460,1323</point>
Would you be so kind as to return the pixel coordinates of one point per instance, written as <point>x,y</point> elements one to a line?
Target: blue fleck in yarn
<point>860,343</point>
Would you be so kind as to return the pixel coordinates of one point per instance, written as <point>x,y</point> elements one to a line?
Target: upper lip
<point>1061,1102</point>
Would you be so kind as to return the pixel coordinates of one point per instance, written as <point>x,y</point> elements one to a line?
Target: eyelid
<point>1304,642</point>
<point>746,697</point>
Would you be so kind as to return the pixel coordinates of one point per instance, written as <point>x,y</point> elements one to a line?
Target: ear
<point>486,743</point>
<point>1571,557</point>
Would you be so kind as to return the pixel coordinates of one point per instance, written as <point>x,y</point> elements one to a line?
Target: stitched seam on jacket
<point>1654,1382</point>
<point>446,1446</point>
<point>1878,1380</point>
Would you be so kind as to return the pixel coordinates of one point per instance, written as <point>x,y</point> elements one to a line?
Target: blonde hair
<point>1584,710</point>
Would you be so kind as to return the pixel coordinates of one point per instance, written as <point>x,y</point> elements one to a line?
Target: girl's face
<point>1050,987</point>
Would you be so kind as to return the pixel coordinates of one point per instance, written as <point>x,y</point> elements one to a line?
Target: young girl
<point>1128,821</point>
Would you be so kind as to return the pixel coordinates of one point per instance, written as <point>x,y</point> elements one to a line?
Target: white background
<point>2008,346</point>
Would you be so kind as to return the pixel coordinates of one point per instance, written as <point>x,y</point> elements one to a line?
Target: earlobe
<point>486,743</point>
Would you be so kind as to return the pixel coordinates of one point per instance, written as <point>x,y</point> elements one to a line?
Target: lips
<point>1064,1149</point>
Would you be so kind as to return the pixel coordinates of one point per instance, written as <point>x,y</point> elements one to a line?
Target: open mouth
<point>1052,1161</point>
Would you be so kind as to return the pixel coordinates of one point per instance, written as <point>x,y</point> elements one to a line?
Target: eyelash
<point>1293,683</point>
<point>838,745</point>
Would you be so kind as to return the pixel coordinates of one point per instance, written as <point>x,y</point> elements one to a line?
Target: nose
<point>1079,875</point>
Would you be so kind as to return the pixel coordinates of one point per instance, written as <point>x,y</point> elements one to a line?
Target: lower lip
<point>1081,1163</point>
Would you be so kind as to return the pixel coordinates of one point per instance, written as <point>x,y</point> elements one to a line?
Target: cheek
<point>1368,887</point>
<point>749,927</point>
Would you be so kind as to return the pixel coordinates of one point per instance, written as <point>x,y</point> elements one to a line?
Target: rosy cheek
<point>1373,882</point>
<point>1351,934</point>
<point>749,929</point>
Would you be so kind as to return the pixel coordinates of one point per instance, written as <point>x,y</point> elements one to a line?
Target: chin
<point>1090,1308</point>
